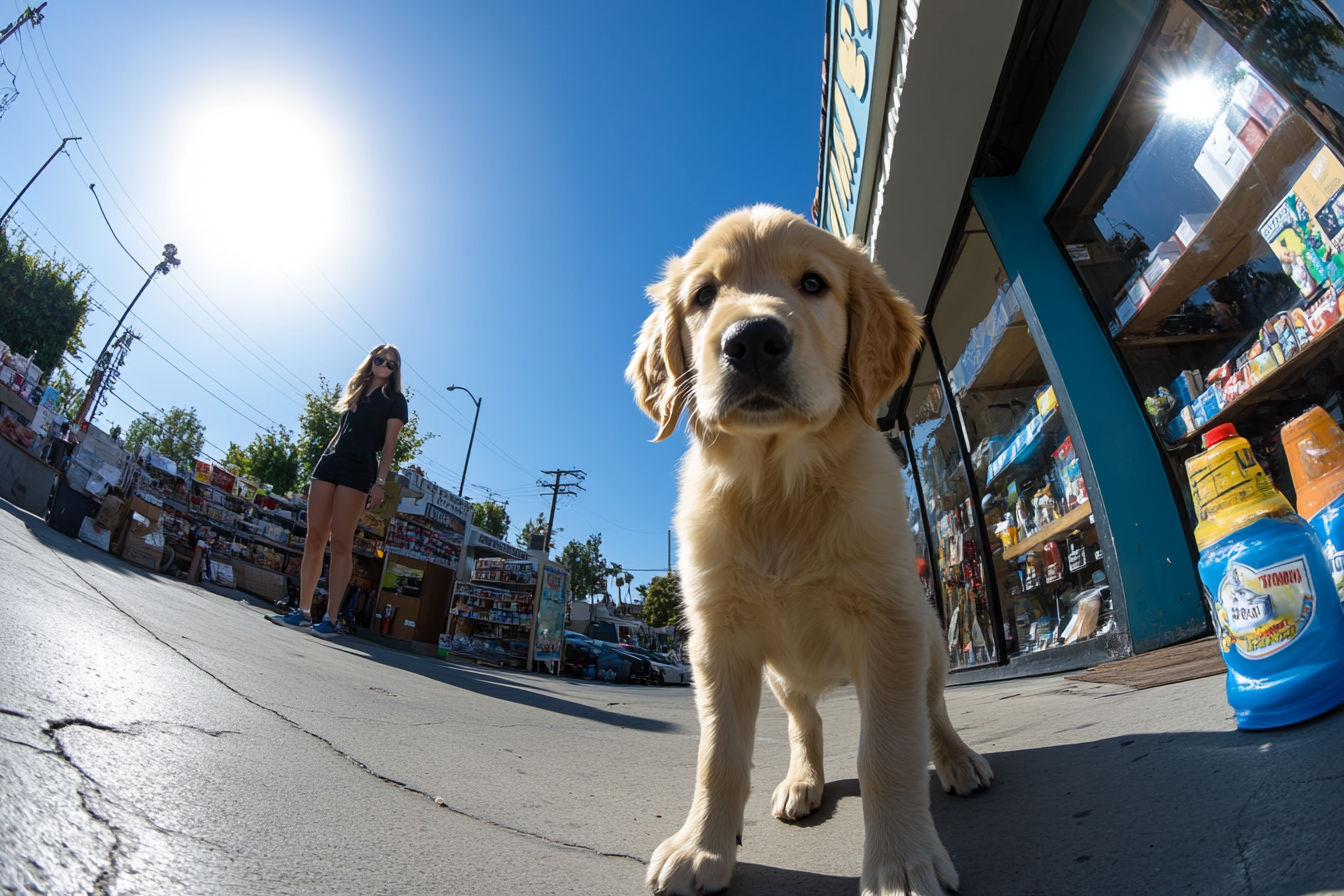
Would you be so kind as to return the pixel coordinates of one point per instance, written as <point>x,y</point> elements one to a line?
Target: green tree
<point>42,310</point>
<point>178,434</point>
<point>524,538</point>
<point>318,422</point>
<point>271,458</point>
<point>491,516</point>
<point>587,569</point>
<point>235,456</point>
<point>662,600</point>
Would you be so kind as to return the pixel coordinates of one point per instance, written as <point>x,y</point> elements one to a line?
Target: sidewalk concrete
<point>159,738</point>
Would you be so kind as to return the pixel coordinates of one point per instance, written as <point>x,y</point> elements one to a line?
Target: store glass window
<point>1207,227</point>
<point>923,562</point>
<point>1299,44</point>
<point>1043,548</point>
<point>951,517</point>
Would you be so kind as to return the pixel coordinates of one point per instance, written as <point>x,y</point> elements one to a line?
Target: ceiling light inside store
<point>1193,98</point>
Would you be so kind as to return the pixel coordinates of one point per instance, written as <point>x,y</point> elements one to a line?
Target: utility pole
<point>39,171</point>
<point>104,359</point>
<point>30,16</point>
<point>557,489</point>
<point>669,553</point>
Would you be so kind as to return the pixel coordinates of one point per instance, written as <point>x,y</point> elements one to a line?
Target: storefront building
<point>1124,222</point>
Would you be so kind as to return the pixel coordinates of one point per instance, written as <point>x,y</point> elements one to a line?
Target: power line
<point>272,357</point>
<point>156,333</point>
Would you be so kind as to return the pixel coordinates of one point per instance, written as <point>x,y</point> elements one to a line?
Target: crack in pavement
<point>338,751</point>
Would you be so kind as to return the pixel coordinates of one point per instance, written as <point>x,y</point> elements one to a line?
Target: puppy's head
<point>770,324</point>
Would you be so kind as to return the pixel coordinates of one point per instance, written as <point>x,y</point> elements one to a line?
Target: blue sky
<point>488,186</point>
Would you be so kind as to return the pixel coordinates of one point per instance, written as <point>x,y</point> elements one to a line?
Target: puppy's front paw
<point>919,872</point>
<point>683,867</point>
<point>796,797</point>
<point>962,770</point>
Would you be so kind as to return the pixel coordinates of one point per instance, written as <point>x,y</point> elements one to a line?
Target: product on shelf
<point>1278,615</point>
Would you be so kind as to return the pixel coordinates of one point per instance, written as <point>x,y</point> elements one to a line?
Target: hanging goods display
<point>1314,446</point>
<point>1279,622</point>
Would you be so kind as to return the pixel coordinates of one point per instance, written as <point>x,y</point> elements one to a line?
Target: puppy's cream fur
<point>796,550</point>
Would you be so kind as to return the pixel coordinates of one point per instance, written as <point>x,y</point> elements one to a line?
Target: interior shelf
<point>1071,520</point>
<point>1268,387</point>
<point>1225,242</point>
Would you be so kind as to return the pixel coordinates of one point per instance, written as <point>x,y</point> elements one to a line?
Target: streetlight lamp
<point>170,261</point>
<point>463,484</point>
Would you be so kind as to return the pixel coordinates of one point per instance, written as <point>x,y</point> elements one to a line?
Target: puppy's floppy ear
<point>656,369</point>
<point>884,334</point>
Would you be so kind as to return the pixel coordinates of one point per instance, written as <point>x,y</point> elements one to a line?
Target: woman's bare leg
<point>346,510</point>
<point>321,497</point>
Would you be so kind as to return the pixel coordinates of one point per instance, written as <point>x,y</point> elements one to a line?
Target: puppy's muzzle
<point>756,346</point>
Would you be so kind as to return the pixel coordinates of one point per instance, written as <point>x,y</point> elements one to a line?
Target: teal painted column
<point>1148,556</point>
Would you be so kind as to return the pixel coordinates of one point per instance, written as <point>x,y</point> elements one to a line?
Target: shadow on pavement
<point>762,880</point>
<point>513,687</point>
<point>1176,812</point>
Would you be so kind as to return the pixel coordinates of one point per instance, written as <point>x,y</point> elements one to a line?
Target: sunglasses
<point>383,362</point>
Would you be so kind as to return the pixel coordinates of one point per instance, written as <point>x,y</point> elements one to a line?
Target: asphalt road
<point>158,738</point>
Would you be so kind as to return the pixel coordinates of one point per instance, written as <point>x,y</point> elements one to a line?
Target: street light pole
<point>463,484</point>
<point>170,261</point>
<point>34,177</point>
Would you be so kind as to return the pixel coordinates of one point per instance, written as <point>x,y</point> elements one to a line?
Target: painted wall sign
<point>853,41</point>
<point>499,546</point>
<point>550,639</point>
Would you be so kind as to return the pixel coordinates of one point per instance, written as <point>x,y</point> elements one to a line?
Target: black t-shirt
<point>364,429</point>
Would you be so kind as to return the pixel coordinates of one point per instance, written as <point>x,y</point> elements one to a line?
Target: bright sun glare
<point>256,173</point>
<point>1193,98</point>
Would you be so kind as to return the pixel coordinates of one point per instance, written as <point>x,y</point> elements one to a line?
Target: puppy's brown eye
<point>706,294</point>
<point>812,283</point>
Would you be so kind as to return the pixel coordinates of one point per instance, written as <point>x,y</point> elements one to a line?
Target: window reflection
<point>947,496</point>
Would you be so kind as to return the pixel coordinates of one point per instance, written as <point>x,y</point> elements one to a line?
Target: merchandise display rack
<point>493,613</point>
<point>1272,386</point>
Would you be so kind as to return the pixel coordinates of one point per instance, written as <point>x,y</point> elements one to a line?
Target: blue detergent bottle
<point>1280,627</point>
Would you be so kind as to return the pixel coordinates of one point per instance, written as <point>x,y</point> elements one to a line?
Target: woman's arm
<point>385,460</point>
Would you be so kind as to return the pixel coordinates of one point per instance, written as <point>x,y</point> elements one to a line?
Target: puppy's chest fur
<point>821,560</point>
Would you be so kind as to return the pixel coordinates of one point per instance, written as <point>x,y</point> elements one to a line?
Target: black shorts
<point>351,472</point>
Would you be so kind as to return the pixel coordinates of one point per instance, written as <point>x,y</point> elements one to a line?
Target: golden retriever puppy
<point>779,341</point>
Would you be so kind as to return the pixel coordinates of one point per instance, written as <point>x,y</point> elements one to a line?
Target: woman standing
<point>348,478</point>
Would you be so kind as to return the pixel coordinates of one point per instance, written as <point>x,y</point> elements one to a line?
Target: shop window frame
<point>1294,101</point>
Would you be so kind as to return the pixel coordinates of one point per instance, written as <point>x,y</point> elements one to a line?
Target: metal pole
<point>34,177</point>
<point>463,484</point>
<point>471,441</point>
<point>98,371</point>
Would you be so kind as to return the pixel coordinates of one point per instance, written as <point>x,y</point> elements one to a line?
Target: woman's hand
<point>375,495</point>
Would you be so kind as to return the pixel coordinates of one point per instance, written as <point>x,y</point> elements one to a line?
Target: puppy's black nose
<point>757,344</point>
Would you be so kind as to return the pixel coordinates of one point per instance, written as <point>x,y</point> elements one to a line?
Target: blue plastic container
<point>1278,615</point>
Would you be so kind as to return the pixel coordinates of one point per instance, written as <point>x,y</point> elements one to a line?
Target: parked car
<point>581,656</point>
<point>664,670</point>
<point>587,658</point>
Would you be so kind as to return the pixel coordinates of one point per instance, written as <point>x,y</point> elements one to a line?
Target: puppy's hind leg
<point>959,768</point>
<point>800,791</point>
<point>699,858</point>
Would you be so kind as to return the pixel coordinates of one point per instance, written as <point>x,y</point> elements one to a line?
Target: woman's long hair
<point>354,389</point>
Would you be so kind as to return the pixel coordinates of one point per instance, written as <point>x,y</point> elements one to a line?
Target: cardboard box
<point>139,505</point>
<point>91,533</point>
<point>137,552</point>
<point>110,515</point>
